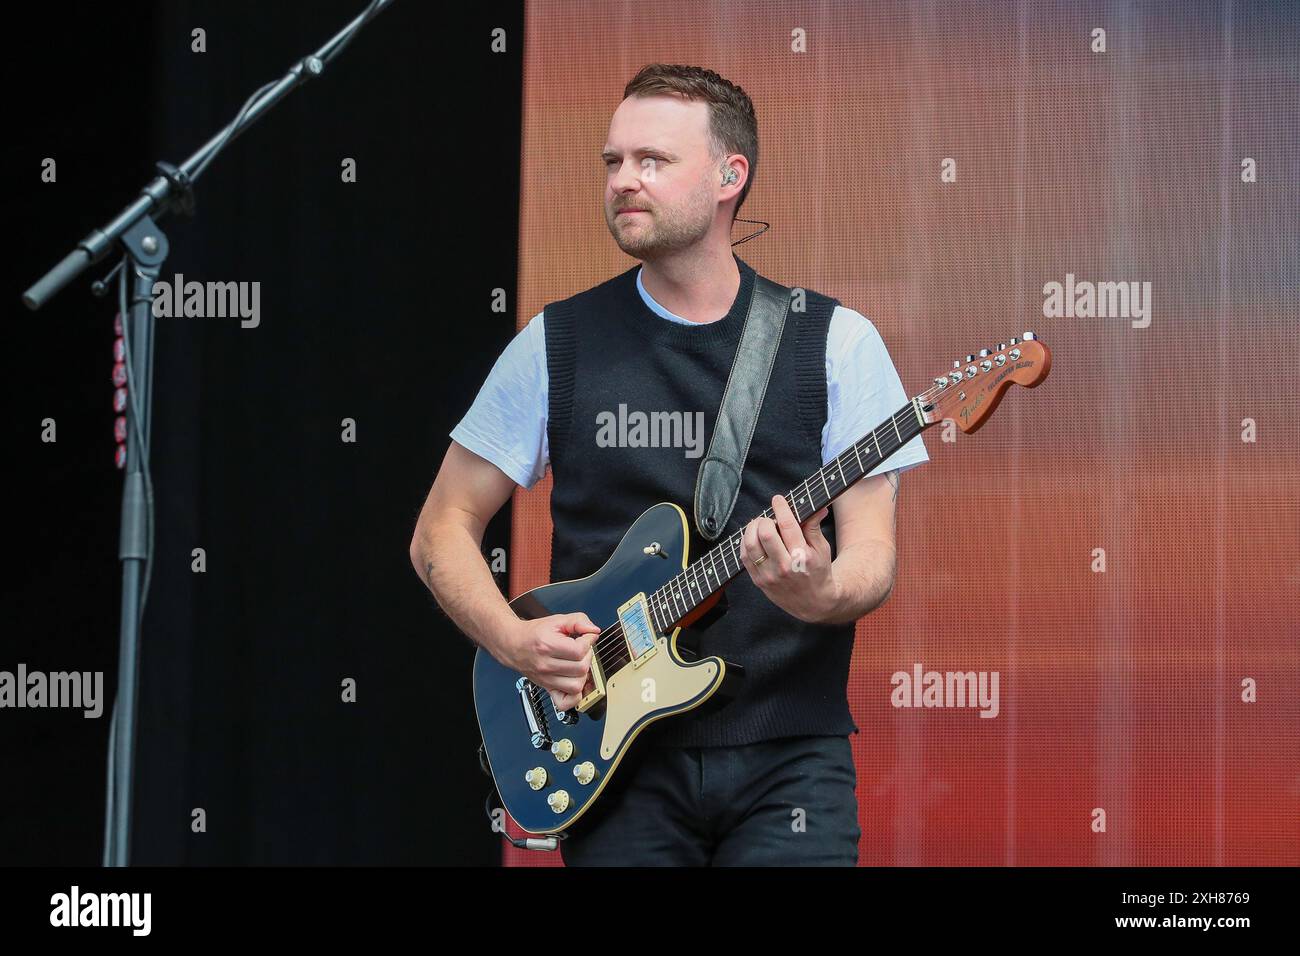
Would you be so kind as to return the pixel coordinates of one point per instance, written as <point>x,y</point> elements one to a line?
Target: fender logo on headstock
<point>967,410</point>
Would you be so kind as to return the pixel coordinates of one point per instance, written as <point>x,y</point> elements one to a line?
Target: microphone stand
<point>144,248</point>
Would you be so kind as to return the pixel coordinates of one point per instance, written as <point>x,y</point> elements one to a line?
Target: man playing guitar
<point>769,778</point>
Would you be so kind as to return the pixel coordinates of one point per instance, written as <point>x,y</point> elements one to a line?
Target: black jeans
<point>788,802</point>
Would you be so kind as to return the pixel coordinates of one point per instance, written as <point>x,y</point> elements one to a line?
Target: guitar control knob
<point>536,778</point>
<point>562,750</point>
<point>585,772</point>
<point>558,801</point>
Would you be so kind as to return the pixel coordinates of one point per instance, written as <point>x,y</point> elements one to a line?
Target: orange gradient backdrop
<point>1120,690</point>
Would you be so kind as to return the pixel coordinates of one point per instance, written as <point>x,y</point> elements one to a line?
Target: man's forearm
<point>865,576</point>
<point>452,567</point>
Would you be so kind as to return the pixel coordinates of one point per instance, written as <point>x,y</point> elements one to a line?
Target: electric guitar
<point>550,766</point>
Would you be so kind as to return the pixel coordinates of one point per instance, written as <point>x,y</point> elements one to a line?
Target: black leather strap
<point>718,483</point>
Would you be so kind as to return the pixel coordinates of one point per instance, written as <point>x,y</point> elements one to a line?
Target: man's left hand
<point>796,575</point>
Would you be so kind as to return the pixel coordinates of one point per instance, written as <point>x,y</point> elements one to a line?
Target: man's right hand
<point>554,653</point>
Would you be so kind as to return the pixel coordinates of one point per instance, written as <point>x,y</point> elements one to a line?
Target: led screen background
<point>1168,442</point>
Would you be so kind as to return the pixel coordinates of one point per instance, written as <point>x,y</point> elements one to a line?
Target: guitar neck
<point>715,568</point>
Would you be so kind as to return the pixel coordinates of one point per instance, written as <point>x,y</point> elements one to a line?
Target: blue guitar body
<point>550,767</point>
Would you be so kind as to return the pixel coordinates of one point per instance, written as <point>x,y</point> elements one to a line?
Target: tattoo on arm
<point>428,574</point>
<point>893,480</point>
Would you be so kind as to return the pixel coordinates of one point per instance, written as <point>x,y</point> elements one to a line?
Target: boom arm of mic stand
<point>171,189</point>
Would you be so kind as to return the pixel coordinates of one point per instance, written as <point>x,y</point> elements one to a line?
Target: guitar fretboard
<point>712,570</point>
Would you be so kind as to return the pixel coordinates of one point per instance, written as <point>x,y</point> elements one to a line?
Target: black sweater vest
<point>605,348</point>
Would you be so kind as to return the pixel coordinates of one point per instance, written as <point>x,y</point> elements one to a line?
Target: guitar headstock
<point>972,390</point>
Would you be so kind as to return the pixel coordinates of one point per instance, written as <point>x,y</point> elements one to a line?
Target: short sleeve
<point>507,422</point>
<point>862,391</point>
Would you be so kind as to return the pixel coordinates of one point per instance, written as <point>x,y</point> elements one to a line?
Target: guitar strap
<point>718,483</point>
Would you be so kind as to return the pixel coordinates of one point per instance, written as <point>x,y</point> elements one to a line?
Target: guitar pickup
<point>634,616</point>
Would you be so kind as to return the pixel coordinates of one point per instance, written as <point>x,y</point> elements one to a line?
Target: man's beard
<point>663,231</point>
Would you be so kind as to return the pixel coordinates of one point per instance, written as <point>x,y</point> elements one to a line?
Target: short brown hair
<point>733,127</point>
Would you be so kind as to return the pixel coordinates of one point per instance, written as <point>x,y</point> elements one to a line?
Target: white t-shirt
<point>507,422</point>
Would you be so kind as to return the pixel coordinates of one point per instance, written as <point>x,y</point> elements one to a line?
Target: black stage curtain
<point>375,306</point>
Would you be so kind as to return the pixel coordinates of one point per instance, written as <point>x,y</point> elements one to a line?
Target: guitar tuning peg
<point>969,359</point>
<point>1002,346</point>
<point>1014,340</point>
<point>984,353</point>
<point>1029,336</point>
<point>956,364</point>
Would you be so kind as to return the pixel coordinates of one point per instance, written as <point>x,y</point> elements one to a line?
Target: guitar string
<point>611,637</point>
<point>731,547</point>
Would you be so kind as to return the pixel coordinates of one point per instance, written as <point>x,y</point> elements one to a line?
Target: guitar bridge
<point>537,730</point>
